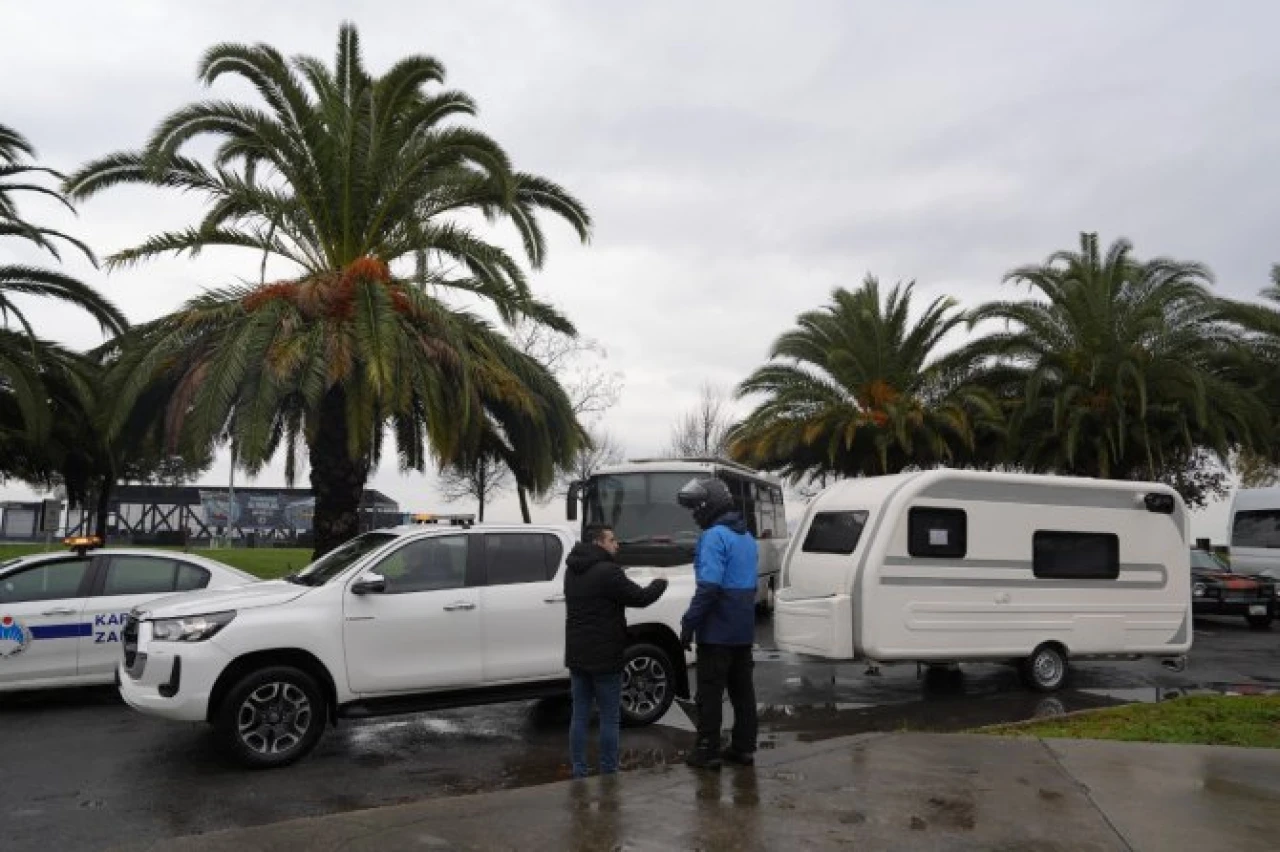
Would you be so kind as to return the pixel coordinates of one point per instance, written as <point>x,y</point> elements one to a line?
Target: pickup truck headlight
<point>192,628</point>
<point>1197,589</point>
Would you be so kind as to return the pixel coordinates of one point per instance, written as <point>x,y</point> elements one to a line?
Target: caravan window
<point>835,532</point>
<point>937,533</point>
<point>1259,528</point>
<point>1075,555</point>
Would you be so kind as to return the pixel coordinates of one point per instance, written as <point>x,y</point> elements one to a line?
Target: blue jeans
<point>606,691</point>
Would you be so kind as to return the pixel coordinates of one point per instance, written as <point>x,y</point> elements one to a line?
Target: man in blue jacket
<point>722,617</point>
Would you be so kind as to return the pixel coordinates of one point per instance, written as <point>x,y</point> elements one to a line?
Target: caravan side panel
<point>996,601</point>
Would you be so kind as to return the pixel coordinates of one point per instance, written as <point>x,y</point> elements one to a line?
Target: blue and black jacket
<point>722,611</point>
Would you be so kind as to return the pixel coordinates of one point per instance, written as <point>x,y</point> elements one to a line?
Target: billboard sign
<point>262,510</point>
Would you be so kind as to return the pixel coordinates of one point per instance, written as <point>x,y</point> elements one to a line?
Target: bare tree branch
<point>483,481</point>
<point>578,364</point>
<point>1255,470</point>
<point>704,430</point>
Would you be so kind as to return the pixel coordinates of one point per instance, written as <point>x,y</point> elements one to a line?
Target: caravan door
<point>815,607</point>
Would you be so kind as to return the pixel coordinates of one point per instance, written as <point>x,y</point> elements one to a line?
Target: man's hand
<point>686,639</point>
<point>660,584</point>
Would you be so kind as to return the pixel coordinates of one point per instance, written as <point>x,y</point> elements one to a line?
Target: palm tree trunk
<point>524,504</point>
<point>483,489</point>
<point>337,480</point>
<point>104,507</point>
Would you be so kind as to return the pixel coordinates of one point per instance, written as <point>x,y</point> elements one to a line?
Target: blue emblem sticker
<point>14,637</point>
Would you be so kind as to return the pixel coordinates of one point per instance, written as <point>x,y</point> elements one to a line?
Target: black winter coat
<point>597,593</point>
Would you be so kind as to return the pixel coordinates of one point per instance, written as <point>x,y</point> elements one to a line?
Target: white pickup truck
<point>394,621</point>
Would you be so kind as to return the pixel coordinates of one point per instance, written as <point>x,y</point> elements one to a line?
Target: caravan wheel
<point>1046,669</point>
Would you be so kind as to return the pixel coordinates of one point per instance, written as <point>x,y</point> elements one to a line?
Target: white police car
<point>61,614</point>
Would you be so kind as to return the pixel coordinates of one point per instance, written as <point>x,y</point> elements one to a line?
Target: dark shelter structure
<point>250,516</point>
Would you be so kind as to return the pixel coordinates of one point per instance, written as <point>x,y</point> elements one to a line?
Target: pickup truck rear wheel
<point>648,685</point>
<point>271,717</point>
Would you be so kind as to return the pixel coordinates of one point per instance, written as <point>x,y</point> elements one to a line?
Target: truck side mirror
<point>369,583</point>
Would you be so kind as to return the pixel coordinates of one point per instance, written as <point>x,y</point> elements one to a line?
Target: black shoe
<point>742,758</point>
<point>701,758</point>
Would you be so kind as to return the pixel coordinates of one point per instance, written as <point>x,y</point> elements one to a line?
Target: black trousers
<point>722,667</point>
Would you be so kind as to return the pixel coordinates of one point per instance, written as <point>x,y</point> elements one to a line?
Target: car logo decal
<point>14,637</point>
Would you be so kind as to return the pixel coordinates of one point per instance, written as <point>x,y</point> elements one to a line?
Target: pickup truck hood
<point>673,574</point>
<point>252,596</point>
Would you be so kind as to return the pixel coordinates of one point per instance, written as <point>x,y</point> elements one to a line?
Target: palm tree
<point>1257,368</point>
<point>1118,369</point>
<point>346,177</point>
<point>69,450</point>
<point>857,388</point>
<point>33,281</point>
<point>24,357</point>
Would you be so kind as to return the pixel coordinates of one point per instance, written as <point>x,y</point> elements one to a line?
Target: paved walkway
<point>880,791</point>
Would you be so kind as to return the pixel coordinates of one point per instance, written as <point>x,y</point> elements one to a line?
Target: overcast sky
<point>740,159</point>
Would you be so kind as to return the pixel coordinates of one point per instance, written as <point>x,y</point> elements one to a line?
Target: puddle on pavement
<point>536,753</point>
<point>1154,694</point>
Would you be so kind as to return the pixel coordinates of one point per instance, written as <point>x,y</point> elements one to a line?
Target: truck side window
<point>835,532</point>
<point>426,565</point>
<point>512,558</point>
<point>1075,555</point>
<point>937,533</point>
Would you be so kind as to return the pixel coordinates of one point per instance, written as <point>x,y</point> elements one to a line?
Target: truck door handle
<point>459,605</point>
<point>555,599</point>
<point>59,611</point>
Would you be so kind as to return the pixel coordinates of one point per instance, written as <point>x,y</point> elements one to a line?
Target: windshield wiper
<point>298,579</point>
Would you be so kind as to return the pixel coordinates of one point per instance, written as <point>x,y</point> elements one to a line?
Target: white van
<point>1255,531</point>
<point>949,566</point>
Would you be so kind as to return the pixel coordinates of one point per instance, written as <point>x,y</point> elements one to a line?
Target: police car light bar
<point>452,520</point>
<point>83,543</point>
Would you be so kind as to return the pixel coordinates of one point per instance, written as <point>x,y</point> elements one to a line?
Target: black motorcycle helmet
<point>708,499</point>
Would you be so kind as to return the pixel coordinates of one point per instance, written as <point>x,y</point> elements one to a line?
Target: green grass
<point>1232,720</point>
<point>265,562</point>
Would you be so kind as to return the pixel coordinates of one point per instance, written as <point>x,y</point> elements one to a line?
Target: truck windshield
<point>652,528</point>
<point>340,559</point>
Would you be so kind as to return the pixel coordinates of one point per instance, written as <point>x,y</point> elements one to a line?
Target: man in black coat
<point>597,593</point>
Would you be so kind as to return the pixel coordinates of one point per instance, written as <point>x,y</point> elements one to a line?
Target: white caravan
<point>1255,531</point>
<point>949,566</point>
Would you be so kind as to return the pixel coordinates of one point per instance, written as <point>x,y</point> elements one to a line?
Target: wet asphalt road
<point>83,772</point>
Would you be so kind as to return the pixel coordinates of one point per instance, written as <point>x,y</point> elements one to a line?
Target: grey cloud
<point>740,158</point>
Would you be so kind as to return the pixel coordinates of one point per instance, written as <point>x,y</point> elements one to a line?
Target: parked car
<point>1217,590</point>
<point>394,621</point>
<point>62,614</point>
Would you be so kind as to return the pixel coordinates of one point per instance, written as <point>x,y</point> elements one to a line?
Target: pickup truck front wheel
<point>648,685</point>
<point>271,717</point>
